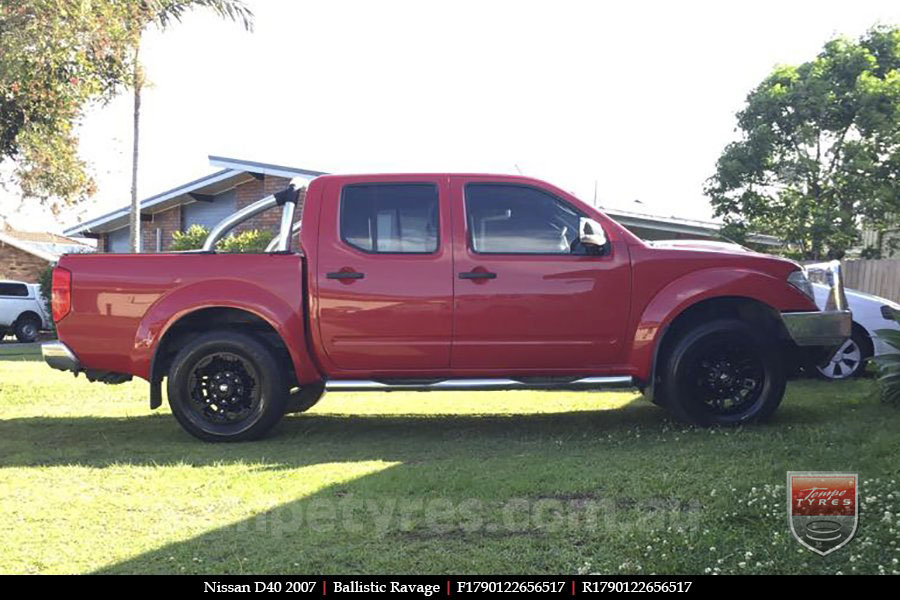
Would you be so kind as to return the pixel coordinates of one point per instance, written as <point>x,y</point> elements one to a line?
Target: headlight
<point>799,280</point>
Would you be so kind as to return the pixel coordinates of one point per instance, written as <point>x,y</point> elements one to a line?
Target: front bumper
<point>819,328</point>
<point>58,356</point>
<point>831,326</point>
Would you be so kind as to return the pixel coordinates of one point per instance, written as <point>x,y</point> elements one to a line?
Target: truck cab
<point>441,281</point>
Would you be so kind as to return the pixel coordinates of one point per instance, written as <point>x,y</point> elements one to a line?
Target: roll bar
<point>286,198</point>
<point>277,239</point>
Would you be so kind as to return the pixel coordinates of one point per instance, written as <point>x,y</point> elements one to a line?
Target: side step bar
<point>583,383</point>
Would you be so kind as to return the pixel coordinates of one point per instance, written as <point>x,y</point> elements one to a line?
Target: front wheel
<point>723,373</point>
<point>849,360</point>
<point>226,387</point>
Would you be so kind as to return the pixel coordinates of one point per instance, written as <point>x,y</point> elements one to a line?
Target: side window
<point>518,219</point>
<point>19,290</point>
<point>390,218</point>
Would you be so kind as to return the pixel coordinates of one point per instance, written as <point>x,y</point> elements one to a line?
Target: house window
<point>118,241</point>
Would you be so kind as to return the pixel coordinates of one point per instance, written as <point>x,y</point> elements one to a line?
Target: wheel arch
<point>869,345</point>
<point>26,314</point>
<point>744,308</point>
<point>180,313</point>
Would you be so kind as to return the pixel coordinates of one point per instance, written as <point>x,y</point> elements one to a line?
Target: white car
<point>870,313</point>
<point>22,310</point>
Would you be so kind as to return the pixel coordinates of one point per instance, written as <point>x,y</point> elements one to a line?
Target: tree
<point>140,15</point>
<point>57,57</point>
<point>819,153</point>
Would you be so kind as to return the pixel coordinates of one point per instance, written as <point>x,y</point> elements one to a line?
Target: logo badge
<point>822,509</point>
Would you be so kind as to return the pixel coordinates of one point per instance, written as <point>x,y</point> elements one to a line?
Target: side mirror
<point>590,233</point>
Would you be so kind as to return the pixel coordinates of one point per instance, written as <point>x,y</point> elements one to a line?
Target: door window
<point>390,218</point>
<point>519,219</point>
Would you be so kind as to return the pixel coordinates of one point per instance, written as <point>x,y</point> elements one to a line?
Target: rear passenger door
<point>384,275</point>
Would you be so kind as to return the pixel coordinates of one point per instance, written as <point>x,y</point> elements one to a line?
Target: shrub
<point>45,279</point>
<point>889,364</point>
<point>248,241</point>
<point>245,242</point>
<point>192,239</point>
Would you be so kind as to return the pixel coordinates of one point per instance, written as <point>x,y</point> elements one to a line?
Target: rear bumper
<point>58,356</point>
<point>819,328</point>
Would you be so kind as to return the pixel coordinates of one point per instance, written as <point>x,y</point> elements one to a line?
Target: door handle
<point>478,275</point>
<point>345,275</point>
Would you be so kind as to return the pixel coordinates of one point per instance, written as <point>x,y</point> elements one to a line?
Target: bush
<point>45,279</point>
<point>246,242</point>
<point>192,239</point>
<point>889,365</point>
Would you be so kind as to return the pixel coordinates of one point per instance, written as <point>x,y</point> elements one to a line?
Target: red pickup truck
<point>440,282</point>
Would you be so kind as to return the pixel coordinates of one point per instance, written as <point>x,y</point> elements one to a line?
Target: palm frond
<point>166,12</point>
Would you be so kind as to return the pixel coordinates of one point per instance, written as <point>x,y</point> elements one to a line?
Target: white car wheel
<point>846,362</point>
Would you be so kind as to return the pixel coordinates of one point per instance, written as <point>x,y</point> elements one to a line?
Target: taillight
<point>61,293</point>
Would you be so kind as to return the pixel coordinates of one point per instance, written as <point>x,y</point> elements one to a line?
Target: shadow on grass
<point>299,440</point>
<point>12,350</point>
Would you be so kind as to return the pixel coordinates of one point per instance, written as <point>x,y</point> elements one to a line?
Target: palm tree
<point>164,13</point>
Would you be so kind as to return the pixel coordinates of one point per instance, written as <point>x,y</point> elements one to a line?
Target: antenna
<point>518,169</point>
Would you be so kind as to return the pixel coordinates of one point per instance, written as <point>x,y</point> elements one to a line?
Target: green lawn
<point>92,481</point>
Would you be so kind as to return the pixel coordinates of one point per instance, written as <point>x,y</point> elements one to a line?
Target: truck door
<point>384,274</point>
<point>529,296</point>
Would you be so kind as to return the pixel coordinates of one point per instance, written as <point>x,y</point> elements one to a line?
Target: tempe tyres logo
<point>822,509</point>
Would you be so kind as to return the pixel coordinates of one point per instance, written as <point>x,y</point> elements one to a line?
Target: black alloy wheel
<point>723,373</point>
<point>226,386</point>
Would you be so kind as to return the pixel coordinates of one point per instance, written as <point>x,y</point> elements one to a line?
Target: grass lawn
<point>91,481</point>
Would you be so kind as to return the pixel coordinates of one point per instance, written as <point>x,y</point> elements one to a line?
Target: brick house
<point>204,201</point>
<point>25,254</point>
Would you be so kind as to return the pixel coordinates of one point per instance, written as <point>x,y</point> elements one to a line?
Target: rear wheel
<point>225,387</point>
<point>723,373</point>
<point>27,329</point>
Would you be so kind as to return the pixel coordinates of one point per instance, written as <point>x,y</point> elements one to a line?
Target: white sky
<point>637,96</point>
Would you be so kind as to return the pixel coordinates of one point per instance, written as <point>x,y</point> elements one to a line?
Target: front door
<point>384,275</point>
<point>529,297</point>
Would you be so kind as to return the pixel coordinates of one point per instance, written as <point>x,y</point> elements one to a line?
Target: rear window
<point>390,218</point>
<point>19,290</point>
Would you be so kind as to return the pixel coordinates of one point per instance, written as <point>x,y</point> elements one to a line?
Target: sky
<point>635,100</point>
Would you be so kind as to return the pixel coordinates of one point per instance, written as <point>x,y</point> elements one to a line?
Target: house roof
<point>630,218</point>
<point>46,246</point>
<point>235,172</point>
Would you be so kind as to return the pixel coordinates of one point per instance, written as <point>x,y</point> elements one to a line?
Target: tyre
<point>27,329</point>
<point>723,372</point>
<point>304,398</point>
<point>3,332</point>
<point>226,387</point>
<point>849,360</point>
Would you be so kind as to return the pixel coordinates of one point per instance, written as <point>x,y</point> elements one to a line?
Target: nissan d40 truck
<point>440,282</point>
